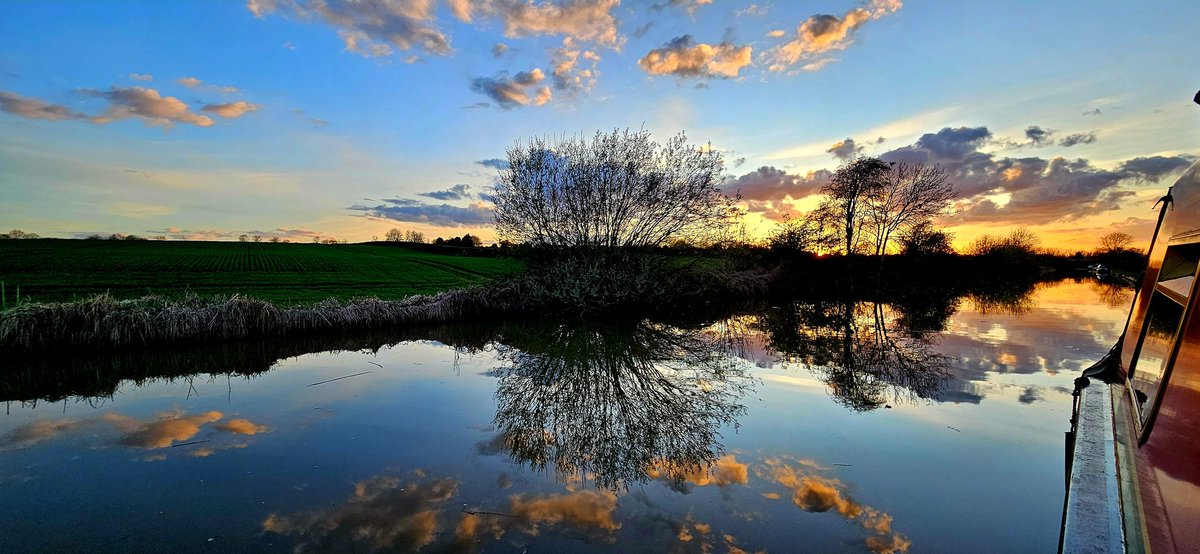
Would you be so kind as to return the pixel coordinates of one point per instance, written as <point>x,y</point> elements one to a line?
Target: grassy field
<point>48,270</point>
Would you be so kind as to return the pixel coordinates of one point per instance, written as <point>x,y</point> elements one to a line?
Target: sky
<point>343,119</point>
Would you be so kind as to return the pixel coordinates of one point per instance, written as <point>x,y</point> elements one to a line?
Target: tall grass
<point>102,322</point>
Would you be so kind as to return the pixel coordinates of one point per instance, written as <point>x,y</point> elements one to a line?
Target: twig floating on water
<point>483,513</point>
<point>339,378</point>
<point>187,443</point>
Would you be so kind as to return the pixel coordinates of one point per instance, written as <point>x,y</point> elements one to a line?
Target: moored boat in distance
<point>1133,452</point>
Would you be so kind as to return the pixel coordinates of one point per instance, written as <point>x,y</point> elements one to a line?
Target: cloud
<point>825,33</point>
<point>817,65</point>
<point>689,5</point>
<point>1078,138</point>
<point>1038,136</point>
<point>241,427</point>
<point>494,163</point>
<point>769,183</point>
<point>753,10</point>
<point>141,77</point>
<point>1151,169</point>
<point>816,493</point>
<point>1040,190</point>
<point>231,110</point>
<point>499,49</point>
<point>383,513</point>
<point>992,189</point>
<point>683,57</point>
<point>570,74</point>
<point>724,472</point>
<point>586,20</point>
<point>456,192</point>
<point>444,215</point>
<point>642,29</point>
<point>369,27</point>
<point>148,105</point>
<point>32,108</point>
<point>845,149</point>
<point>194,83</point>
<point>162,432</point>
<point>517,91</point>
<point>35,432</point>
<point>1094,111</point>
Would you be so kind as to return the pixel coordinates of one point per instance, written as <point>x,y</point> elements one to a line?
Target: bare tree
<point>18,234</point>
<point>394,235</point>
<point>618,189</point>
<point>907,196</point>
<point>415,236</point>
<point>848,193</point>
<point>1115,242</point>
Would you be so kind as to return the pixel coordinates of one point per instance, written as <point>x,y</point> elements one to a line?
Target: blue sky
<point>332,118</point>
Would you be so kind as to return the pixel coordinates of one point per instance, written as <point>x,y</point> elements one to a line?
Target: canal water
<point>829,426</point>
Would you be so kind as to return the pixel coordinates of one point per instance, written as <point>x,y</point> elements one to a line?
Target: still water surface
<point>823,427</point>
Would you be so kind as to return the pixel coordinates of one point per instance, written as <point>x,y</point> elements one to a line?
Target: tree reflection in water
<point>868,353</point>
<point>610,402</point>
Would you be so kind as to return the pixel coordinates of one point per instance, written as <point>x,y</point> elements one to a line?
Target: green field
<point>49,270</point>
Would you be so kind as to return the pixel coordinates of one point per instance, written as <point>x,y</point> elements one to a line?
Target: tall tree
<point>908,195</point>
<point>848,192</point>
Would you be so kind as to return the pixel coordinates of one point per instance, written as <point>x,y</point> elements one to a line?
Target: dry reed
<point>103,322</point>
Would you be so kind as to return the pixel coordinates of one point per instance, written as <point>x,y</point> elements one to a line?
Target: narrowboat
<point>1133,451</point>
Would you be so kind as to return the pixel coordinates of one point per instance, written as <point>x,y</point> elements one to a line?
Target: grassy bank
<point>49,270</point>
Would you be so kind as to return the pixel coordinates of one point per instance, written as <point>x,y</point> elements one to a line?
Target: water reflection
<point>860,351</point>
<point>645,436</point>
<point>610,402</point>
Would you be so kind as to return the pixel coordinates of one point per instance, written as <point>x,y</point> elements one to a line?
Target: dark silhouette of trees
<point>848,193</point>
<point>468,241</point>
<point>615,190</point>
<point>923,239</point>
<point>909,195</point>
<point>18,234</point>
<point>870,202</point>
<point>1115,242</point>
<point>394,235</point>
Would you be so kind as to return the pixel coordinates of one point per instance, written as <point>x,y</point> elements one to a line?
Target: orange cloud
<point>241,427</point>
<point>161,433</point>
<point>383,513</point>
<point>724,472</point>
<point>816,493</point>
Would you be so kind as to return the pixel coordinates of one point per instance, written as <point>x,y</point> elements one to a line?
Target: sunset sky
<point>295,118</point>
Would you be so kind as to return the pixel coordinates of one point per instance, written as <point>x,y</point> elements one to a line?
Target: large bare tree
<point>848,193</point>
<point>618,189</point>
<point>908,195</point>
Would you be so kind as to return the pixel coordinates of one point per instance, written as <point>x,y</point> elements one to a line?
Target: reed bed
<point>102,322</point>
